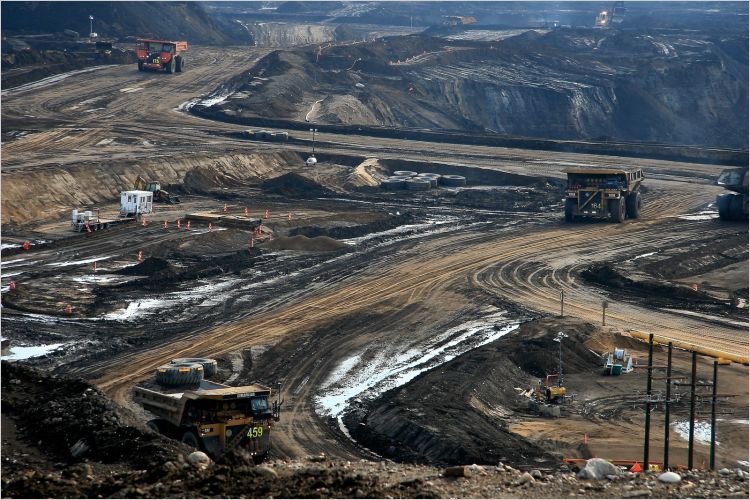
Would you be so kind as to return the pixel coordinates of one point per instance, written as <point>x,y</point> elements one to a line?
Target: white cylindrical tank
<point>74,213</point>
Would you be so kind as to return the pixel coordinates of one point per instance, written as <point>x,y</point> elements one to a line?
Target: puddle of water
<point>25,352</point>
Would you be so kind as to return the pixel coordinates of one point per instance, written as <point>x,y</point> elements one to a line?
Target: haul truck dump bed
<point>603,193</point>
<point>213,417</point>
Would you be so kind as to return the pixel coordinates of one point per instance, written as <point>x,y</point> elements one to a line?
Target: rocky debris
<point>74,421</point>
<point>670,477</point>
<point>199,460</point>
<point>294,186</point>
<point>598,468</point>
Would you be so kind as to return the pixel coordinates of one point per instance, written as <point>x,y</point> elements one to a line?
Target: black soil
<point>658,293</point>
<point>294,186</point>
<point>45,416</point>
<point>454,414</point>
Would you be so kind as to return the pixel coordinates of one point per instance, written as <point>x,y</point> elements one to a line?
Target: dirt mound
<point>294,186</point>
<point>663,293</point>
<point>305,244</point>
<point>76,422</point>
<point>190,268</point>
<point>369,173</point>
<point>345,232</point>
<point>148,267</point>
<point>459,412</point>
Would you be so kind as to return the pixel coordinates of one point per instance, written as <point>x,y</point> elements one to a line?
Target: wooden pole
<point>712,452</point>
<point>691,434</point>
<point>666,407</point>
<point>648,401</point>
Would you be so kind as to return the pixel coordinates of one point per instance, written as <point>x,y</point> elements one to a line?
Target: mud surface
<point>421,286</point>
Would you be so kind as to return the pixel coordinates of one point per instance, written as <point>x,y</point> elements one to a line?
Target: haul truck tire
<point>179,63</point>
<point>569,210</point>
<point>140,65</point>
<point>616,210</point>
<point>162,427</point>
<point>191,439</point>
<point>179,374</point>
<point>723,203</point>
<point>736,208</point>
<point>634,205</point>
<point>209,365</point>
<point>169,67</point>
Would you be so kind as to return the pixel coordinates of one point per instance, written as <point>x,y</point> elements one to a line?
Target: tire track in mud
<point>418,278</point>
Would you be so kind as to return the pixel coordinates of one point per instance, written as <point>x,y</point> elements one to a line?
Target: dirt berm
<point>458,413</point>
<point>294,186</point>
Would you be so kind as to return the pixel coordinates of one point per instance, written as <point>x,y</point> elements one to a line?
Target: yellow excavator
<point>160,195</point>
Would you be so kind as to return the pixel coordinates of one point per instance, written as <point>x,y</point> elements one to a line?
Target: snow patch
<point>77,262</point>
<point>701,433</point>
<point>46,82</point>
<point>388,367</point>
<point>26,352</point>
<point>135,309</point>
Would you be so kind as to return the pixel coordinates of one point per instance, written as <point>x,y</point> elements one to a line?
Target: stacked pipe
<point>413,181</point>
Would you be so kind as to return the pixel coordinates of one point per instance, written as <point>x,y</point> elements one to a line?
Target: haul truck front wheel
<point>190,439</point>
<point>569,204</point>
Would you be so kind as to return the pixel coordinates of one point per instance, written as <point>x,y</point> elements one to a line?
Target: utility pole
<point>648,399</point>
<point>605,304</point>
<point>91,24</point>
<point>692,412</point>
<point>313,130</point>
<point>562,303</point>
<point>666,407</point>
<point>558,338</point>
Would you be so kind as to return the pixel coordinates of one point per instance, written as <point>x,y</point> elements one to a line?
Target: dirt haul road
<point>526,266</point>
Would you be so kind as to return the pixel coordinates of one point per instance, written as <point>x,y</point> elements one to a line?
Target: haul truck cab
<point>603,193</point>
<point>213,417</point>
<point>161,55</point>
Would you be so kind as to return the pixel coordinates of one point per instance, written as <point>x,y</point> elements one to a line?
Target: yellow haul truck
<point>209,416</point>
<point>603,193</point>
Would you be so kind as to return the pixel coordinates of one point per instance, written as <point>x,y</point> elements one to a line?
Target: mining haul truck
<point>161,55</point>
<point>734,205</point>
<point>605,193</point>
<point>209,416</point>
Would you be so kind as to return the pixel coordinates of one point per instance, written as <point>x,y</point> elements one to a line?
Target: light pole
<point>313,130</point>
<point>558,338</point>
<point>91,24</point>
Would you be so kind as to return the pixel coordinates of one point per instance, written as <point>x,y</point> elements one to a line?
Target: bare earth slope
<point>665,87</point>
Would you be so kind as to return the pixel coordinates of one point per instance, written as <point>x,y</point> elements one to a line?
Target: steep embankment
<point>175,20</point>
<point>67,187</point>
<point>677,88</point>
